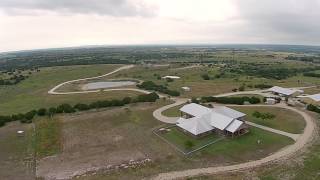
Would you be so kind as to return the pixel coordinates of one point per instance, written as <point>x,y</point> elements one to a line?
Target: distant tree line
<point>314,59</point>
<point>269,72</point>
<point>67,108</point>
<point>311,74</point>
<point>313,108</point>
<point>150,85</point>
<point>231,100</point>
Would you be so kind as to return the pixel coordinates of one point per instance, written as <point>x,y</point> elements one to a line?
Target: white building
<point>170,77</point>
<point>271,101</point>
<point>287,92</point>
<point>186,88</point>
<point>198,120</point>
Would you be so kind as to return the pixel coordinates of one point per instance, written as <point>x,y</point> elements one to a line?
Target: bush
<point>313,108</point>
<point>52,111</point>
<point>263,86</point>
<point>152,97</point>
<point>205,77</point>
<point>81,107</point>
<point>42,112</point>
<point>29,115</point>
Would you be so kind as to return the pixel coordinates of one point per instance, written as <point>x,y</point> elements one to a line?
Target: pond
<point>107,84</point>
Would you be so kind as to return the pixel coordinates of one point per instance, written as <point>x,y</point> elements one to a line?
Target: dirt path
<point>53,90</point>
<point>170,120</point>
<point>301,141</point>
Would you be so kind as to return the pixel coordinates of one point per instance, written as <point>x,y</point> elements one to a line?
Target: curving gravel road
<point>53,90</point>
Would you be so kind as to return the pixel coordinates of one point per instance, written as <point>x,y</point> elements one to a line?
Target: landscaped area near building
<point>284,119</point>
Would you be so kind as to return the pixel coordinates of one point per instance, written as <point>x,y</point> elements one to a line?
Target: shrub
<point>205,77</point>
<point>81,107</point>
<point>42,112</point>
<point>231,100</point>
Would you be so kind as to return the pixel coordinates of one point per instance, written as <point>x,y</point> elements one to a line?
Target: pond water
<point>107,84</point>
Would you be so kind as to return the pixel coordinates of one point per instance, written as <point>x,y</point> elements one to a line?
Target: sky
<point>37,24</point>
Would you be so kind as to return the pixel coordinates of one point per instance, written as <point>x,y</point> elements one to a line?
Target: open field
<point>32,93</point>
<point>48,137</point>
<point>315,90</point>
<point>16,152</point>
<point>285,120</point>
<point>103,137</point>
<point>214,86</point>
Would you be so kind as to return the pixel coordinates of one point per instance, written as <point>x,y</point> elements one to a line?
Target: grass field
<point>173,112</point>
<point>48,137</point>
<point>285,120</point>
<point>16,152</point>
<point>199,87</point>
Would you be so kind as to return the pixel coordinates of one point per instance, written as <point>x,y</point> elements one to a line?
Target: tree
<point>205,77</point>
<point>127,100</point>
<point>52,111</point>
<point>42,112</point>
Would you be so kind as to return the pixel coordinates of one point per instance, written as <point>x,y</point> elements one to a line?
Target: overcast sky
<point>33,24</point>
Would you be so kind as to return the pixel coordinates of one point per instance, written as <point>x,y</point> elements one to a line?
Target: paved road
<point>53,90</point>
<point>284,153</point>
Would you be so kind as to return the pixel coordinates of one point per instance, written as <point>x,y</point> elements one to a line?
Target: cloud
<point>119,8</point>
<point>284,21</point>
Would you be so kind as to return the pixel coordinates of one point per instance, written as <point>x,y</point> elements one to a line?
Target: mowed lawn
<point>285,120</point>
<point>32,93</point>
<point>173,112</point>
<point>16,152</point>
<point>176,137</point>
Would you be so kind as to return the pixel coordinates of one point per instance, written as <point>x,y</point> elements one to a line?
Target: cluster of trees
<point>269,72</point>
<point>13,80</point>
<point>150,85</point>
<point>304,58</point>
<point>313,108</point>
<point>67,108</point>
<point>311,74</point>
<point>231,100</point>
<point>263,116</point>
<point>262,86</point>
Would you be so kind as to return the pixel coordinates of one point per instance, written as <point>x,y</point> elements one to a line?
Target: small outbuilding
<point>170,77</point>
<point>285,92</point>
<point>271,101</point>
<point>186,88</point>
